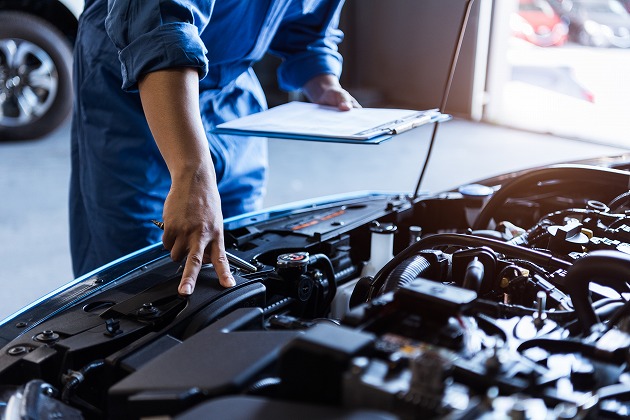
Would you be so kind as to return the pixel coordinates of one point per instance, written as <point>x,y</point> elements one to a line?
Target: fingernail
<point>185,290</point>
<point>231,282</point>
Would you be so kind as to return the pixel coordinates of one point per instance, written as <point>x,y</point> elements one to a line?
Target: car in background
<point>596,23</point>
<point>36,40</point>
<point>560,79</point>
<point>626,4</point>
<point>537,22</point>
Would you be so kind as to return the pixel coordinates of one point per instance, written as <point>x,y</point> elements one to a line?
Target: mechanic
<point>145,151</point>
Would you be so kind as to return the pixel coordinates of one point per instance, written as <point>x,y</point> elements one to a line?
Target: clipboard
<point>312,122</point>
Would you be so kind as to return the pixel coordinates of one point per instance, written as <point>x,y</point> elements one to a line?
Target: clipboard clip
<point>410,124</point>
<point>404,124</point>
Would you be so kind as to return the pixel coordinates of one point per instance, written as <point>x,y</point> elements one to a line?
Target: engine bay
<point>507,298</point>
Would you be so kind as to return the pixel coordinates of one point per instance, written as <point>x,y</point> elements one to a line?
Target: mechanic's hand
<point>325,89</point>
<point>193,223</point>
<point>193,227</point>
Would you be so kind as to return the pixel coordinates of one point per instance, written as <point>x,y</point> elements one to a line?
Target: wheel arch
<point>53,11</point>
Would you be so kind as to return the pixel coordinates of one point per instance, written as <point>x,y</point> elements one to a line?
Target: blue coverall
<point>119,180</point>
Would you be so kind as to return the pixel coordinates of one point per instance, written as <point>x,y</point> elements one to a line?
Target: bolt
<point>540,316</point>
<point>359,364</point>
<point>17,350</point>
<point>21,324</point>
<point>47,336</point>
<point>147,309</point>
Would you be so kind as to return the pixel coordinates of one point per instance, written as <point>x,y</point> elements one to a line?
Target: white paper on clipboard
<point>306,120</point>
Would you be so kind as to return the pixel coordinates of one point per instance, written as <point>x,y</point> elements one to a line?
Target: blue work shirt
<point>119,179</point>
<point>162,34</point>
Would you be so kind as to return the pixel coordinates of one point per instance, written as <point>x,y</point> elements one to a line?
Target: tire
<point>35,76</point>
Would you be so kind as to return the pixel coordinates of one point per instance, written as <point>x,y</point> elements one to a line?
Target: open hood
<point>503,296</point>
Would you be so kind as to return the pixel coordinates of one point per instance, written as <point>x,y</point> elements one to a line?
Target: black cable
<point>567,346</point>
<point>77,377</point>
<point>447,89</point>
<point>531,266</point>
<point>582,212</point>
<point>620,221</point>
<point>443,239</point>
<point>504,310</point>
<point>615,201</point>
<point>504,270</point>
<point>621,313</point>
<point>574,173</point>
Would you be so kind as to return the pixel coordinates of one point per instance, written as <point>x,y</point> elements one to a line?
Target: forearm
<point>170,99</point>
<point>192,210</point>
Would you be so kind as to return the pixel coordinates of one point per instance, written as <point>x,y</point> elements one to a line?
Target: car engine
<point>507,298</point>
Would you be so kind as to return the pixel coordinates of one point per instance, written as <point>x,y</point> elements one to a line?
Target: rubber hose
<point>621,197</point>
<point>574,173</point>
<point>405,273</point>
<point>322,262</point>
<point>608,268</point>
<point>441,239</point>
<point>77,378</point>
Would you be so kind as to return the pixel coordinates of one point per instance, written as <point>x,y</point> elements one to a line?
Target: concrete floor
<point>34,256</point>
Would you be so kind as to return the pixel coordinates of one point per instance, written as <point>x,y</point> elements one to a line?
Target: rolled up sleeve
<point>157,35</point>
<point>308,46</point>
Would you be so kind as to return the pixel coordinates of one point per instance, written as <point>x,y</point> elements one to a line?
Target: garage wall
<point>401,49</point>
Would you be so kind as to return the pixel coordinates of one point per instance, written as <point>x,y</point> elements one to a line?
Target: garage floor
<point>34,256</point>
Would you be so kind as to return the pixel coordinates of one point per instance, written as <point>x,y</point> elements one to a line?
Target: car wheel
<point>35,76</point>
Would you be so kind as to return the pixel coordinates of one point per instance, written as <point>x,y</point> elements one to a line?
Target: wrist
<point>198,167</point>
<point>318,85</point>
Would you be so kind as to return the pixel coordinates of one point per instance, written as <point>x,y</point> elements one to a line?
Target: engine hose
<point>263,386</point>
<point>322,262</point>
<point>405,273</point>
<point>573,173</point>
<point>568,346</point>
<point>621,197</point>
<point>608,268</point>
<point>530,265</point>
<point>503,310</point>
<point>557,216</point>
<point>606,312</point>
<point>77,377</point>
<point>442,239</point>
